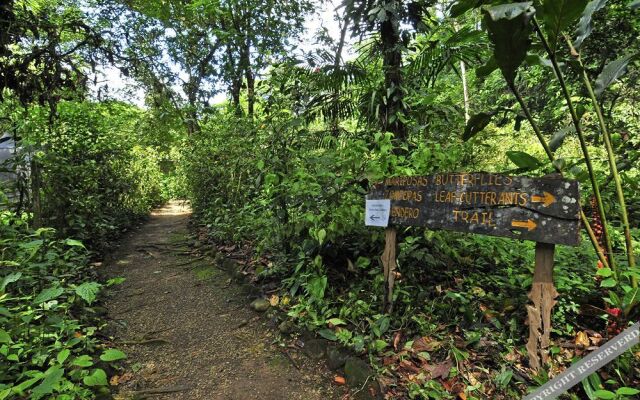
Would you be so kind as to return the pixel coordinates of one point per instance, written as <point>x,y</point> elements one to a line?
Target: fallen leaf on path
<point>396,340</point>
<point>425,344</point>
<point>339,380</point>
<point>274,300</point>
<point>409,366</point>
<point>441,370</point>
<point>389,360</point>
<point>582,340</point>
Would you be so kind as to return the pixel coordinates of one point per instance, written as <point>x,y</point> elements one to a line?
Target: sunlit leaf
<point>48,294</point>
<point>112,355</point>
<point>88,291</point>
<point>97,378</point>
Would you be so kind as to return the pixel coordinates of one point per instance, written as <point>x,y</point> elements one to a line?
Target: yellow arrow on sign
<point>529,224</point>
<point>547,198</point>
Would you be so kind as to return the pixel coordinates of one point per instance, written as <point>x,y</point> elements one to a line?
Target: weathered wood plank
<point>540,209</point>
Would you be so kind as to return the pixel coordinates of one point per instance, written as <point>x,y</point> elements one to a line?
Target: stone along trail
<point>188,331</point>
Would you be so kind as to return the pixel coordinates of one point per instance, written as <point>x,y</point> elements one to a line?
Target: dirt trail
<point>186,327</point>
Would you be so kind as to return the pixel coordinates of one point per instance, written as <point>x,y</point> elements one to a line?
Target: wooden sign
<point>544,210</point>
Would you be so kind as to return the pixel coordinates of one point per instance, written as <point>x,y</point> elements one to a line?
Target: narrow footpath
<point>187,328</point>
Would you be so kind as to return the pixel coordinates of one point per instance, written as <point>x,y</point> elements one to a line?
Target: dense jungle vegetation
<point>281,167</point>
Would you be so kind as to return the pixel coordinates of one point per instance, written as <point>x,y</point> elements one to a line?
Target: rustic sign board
<point>544,210</point>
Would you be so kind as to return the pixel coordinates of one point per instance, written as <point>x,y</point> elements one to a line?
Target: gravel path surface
<point>188,331</point>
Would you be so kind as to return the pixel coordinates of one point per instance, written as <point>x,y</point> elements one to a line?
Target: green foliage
<point>288,180</point>
<point>48,336</point>
<point>98,179</point>
<point>509,31</point>
<point>558,16</point>
<point>611,72</point>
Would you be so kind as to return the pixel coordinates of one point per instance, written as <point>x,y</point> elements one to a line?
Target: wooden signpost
<point>545,210</point>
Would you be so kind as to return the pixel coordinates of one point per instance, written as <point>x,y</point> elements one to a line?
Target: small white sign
<point>377,213</point>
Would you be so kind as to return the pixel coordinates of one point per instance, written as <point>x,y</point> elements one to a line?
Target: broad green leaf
<point>4,336</point>
<point>97,378</point>
<point>605,272</point>
<point>74,243</point>
<point>476,124</point>
<point>12,277</point>
<point>627,391</point>
<point>88,291</point>
<point>112,355</point>
<point>82,361</point>
<point>585,26</point>
<point>612,71</point>
<point>51,377</point>
<point>379,345</point>
<point>317,286</point>
<point>63,355</point>
<point>509,30</point>
<point>558,16</point>
<point>523,160</point>
<point>29,382</point>
<point>384,323</point>
<point>327,334</point>
<point>4,394</point>
<point>48,294</point>
<point>607,283</point>
<point>604,394</point>
<point>322,234</point>
<point>336,321</point>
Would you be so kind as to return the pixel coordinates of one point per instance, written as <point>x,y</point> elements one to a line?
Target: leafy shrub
<point>97,179</point>
<point>48,323</point>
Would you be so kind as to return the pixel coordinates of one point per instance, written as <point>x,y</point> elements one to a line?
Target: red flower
<point>613,311</point>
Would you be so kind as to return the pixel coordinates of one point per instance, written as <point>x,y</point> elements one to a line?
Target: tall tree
<point>394,22</point>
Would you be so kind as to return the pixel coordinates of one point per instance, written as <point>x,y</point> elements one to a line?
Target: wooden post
<point>543,294</point>
<point>389,268</point>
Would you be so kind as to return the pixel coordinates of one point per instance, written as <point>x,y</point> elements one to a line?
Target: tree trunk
<point>236,86</point>
<point>192,116</point>
<point>392,63</point>
<point>465,90</point>
<point>335,107</point>
<point>251,81</point>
